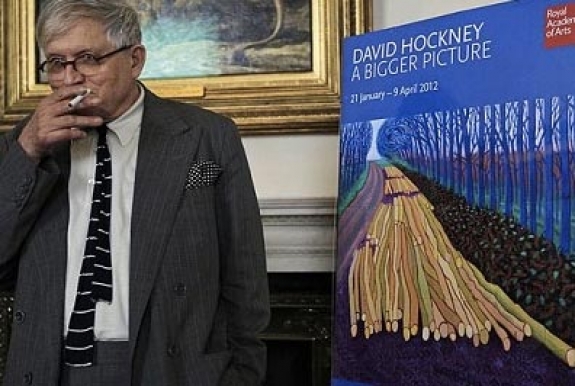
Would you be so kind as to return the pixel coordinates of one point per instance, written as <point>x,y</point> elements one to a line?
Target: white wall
<point>305,166</point>
<point>287,167</point>
<point>389,13</point>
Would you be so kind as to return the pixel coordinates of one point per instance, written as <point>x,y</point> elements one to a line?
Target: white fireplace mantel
<point>299,234</point>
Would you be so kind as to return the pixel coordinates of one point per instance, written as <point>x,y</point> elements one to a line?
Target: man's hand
<point>55,122</point>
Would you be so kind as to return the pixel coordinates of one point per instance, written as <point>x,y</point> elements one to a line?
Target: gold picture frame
<point>279,103</point>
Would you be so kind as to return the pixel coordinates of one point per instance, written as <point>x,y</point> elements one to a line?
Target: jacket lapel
<point>166,148</point>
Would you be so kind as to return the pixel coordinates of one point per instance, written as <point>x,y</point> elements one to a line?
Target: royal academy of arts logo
<point>560,25</point>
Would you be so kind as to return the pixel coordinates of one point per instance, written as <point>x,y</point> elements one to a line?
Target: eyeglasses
<point>86,64</point>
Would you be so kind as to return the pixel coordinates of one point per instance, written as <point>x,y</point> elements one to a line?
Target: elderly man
<point>130,230</point>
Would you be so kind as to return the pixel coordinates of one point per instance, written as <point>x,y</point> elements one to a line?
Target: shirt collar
<point>128,124</point>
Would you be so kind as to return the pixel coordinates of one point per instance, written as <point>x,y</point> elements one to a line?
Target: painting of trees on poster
<point>458,225</point>
<point>515,158</point>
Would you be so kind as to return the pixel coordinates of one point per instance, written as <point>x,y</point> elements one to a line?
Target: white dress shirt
<point>111,320</point>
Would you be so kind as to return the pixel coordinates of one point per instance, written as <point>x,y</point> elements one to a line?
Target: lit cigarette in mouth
<point>78,98</point>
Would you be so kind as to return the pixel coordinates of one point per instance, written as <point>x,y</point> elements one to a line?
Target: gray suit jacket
<point>198,282</point>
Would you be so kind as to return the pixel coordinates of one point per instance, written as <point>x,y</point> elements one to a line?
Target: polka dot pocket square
<point>202,173</point>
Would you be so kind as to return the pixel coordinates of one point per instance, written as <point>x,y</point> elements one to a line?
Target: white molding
<point>299,234</point>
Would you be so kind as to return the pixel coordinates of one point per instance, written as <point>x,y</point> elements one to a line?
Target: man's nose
<point>71,75</point>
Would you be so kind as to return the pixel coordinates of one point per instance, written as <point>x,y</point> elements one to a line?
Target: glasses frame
<point>66,63</point>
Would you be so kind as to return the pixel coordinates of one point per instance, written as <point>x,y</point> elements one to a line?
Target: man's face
<point>114,83</point>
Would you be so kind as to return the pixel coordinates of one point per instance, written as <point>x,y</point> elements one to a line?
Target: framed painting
<point>273,66</point>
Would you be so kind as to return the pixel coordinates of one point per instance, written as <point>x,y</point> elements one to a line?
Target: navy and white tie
<point>95,281</point>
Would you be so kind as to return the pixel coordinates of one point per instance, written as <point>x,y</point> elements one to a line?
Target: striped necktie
<point>95,281</point>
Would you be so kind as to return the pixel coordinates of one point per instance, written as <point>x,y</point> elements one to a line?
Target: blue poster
<point>456,204</point>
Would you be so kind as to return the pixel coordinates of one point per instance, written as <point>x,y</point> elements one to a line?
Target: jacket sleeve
<point>24,187</point>
<point>245,292</point>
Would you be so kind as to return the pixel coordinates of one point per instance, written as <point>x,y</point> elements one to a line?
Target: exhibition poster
<point>456,204</point>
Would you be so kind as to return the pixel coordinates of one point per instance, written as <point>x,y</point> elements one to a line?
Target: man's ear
<point>138,59</point>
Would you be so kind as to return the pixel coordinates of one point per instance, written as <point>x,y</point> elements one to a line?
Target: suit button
<point>18,200</point>
<point>180,289</point>
<point>173,351</point>
<point>28,378</point>
<point>25,185</point>
<point>19,316</point>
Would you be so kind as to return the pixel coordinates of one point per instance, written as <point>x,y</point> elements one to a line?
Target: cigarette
<point>78,98</point>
